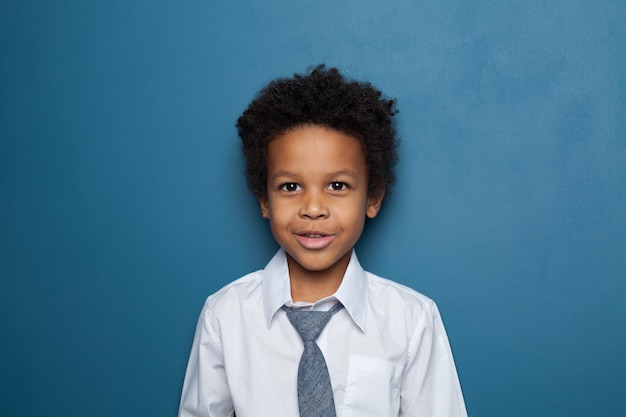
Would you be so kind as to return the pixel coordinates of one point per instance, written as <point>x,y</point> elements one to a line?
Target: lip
<point>314,240</point>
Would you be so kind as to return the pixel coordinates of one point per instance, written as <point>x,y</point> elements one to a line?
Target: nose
<point>314,206</point>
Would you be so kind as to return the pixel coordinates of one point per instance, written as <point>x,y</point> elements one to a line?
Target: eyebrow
<point>284,174</point>
<point>289,174</point>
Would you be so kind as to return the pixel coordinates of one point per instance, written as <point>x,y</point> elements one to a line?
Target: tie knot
<point>309,324</point>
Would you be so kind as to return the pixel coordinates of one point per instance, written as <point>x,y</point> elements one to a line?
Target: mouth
<point>312,235</point>
<point>314,240</point>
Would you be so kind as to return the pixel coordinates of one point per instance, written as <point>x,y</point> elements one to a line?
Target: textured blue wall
<point>123,205</point>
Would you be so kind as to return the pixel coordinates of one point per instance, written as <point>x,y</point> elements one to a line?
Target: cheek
<point>278,216</point>
<point>353,218</point>
<point>276,228</point>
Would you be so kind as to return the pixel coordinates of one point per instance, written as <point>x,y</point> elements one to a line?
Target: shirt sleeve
<point>205,390</point>
<point>430,384</point>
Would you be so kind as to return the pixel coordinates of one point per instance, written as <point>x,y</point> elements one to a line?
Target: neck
<point>311,286</point>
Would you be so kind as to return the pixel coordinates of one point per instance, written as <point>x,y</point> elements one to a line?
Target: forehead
<point>315,148</point>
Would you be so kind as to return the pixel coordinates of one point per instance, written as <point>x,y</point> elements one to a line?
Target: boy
<point>319,152</point>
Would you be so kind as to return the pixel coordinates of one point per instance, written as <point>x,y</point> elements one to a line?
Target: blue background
<point>123,204</point>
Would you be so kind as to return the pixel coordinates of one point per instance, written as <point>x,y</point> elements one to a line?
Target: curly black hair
<point>322,97</point>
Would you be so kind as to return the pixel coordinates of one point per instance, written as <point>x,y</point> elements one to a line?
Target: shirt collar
<point>352,291</point>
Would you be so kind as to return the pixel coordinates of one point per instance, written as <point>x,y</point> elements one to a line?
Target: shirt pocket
<point>372,388</point>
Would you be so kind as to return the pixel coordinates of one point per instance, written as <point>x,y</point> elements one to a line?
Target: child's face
<point>317,197</point>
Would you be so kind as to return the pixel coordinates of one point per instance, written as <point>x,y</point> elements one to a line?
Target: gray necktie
<point>315,394</point>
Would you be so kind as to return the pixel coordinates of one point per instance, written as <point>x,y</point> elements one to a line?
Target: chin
<point>318,265</point>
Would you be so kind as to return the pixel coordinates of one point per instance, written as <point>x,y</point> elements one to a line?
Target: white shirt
<point>387,351</point>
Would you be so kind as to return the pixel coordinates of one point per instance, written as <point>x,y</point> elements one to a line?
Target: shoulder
<point>245,290</point>
<point>400,299</point>
<point>404,312</point>
<point>384,287</point>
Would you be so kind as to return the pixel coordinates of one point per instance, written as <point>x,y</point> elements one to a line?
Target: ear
<point>265,208</point>
<point>373,204</point>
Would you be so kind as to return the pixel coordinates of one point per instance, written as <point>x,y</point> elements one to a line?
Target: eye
<point>338,186</point>
<point>290,187</point>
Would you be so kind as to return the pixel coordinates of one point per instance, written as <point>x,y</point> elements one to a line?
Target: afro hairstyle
<point>326,98</point>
